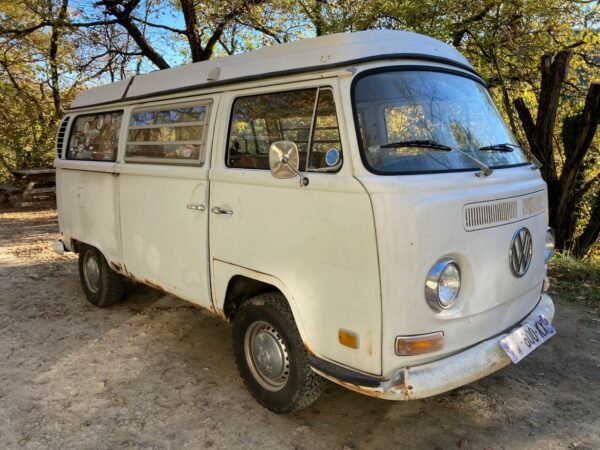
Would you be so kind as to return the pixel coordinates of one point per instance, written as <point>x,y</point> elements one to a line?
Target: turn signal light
<point>419,344</point>
<point>348,338</point>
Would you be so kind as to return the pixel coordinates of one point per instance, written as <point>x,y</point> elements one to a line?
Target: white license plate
<point>525,339</point>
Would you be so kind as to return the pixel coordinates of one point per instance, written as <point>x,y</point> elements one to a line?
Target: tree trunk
<point>590,233</point>
<point>554,73</point>
<point>191,30</point>
<point>584,132</point>
<point>563,192</point>
<point>57,28</point>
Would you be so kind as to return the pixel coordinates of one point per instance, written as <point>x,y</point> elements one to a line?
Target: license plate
<point>525,339</point>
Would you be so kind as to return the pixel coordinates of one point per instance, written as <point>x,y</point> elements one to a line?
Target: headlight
<point>442,284</point>
<point>549,246</point>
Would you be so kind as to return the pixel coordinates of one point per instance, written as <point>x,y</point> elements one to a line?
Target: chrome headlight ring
<point>442,285</point>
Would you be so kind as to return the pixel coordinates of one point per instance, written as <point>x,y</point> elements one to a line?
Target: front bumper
<point>445,374</point>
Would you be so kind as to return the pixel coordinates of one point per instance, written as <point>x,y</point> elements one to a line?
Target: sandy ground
<point>155,372</point>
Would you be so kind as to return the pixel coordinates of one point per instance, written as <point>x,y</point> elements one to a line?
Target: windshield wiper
<point>497,148</point>
<point>506,147</point>
<point>424,143</point>
<point>427,143</point>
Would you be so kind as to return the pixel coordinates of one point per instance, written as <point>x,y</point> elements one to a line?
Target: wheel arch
<point>233,285</point>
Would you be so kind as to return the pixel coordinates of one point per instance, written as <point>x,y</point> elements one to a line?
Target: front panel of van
<point>432,203</point>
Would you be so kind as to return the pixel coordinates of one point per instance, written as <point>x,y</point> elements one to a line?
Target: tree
<point>566,186</point>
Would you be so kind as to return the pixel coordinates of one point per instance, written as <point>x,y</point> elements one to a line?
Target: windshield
<point>452,111</point>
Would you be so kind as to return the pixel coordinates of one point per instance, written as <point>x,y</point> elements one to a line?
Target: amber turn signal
<point>419,344</point>
<point>348,338</point>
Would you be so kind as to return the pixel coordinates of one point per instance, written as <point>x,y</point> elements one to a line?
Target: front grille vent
<point>491,213</point>
<point>533,204</point>
<point>60,137</point>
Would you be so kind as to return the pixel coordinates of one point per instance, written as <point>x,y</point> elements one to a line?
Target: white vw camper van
<point>354,204</point>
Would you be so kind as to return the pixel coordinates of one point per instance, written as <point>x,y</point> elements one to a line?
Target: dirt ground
<point>155,372</point>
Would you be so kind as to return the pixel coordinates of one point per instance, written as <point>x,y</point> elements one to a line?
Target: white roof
<point>319,53</point>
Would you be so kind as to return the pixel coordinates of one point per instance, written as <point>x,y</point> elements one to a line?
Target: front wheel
<point>101,285</point>
<point>270,355</point>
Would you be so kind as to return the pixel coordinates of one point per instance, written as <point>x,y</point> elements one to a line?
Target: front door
<point>317,240</point>
<point>164,198</point>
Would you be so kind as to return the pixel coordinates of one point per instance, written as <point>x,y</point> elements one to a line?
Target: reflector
<point>419,344</point>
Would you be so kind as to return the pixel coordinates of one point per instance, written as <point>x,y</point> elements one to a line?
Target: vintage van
<point>353,203</point>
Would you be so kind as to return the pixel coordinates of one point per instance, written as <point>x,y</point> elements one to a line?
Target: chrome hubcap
<point>267,356</point>
<point>91,272</point>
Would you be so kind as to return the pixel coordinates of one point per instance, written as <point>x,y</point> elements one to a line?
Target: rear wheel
<point>101,285</point>
<point>271,357</point>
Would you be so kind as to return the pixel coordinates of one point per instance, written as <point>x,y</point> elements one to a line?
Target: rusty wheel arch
<point>240,289</point>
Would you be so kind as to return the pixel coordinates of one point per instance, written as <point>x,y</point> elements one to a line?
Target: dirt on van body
<point>156,372</point>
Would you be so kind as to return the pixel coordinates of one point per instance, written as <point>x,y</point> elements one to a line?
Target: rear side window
<point>307,117</point>
<point>168,134</point>
<point>95,137</point>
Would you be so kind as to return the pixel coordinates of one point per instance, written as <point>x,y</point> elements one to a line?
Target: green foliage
<point>27,131</point>
<point>575,280</point>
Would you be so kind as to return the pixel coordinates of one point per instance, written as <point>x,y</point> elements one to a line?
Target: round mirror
<point>284,159</point>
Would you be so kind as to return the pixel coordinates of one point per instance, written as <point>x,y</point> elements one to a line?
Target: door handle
<point>218,210</point>
<point>198,207</point>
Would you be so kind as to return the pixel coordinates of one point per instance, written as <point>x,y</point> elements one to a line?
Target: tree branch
<point>191,30</point>
<point>124,18</point>
<point>16,33</point>
<point>157,25</point>
<point>463,25</point>
<point>527,123</point>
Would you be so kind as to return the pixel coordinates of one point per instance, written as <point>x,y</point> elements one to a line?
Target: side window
<point>306,117</point>
<point>95,137</point>
<point>326,147</point>
<point>167,134</point>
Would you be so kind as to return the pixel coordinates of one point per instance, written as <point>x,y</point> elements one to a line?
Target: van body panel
<point>420,220</point>
<point>164,218</point>
<point>88,201</point>
<point>318,240</point>
<point>164,242</point>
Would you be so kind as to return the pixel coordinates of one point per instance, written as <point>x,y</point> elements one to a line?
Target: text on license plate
<point>525,339</point>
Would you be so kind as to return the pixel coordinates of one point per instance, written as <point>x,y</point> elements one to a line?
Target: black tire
<point>103,288</point>
<point>298,386</point>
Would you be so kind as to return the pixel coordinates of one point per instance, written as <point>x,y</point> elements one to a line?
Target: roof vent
<point>214,74</point>
<point>60,137</point>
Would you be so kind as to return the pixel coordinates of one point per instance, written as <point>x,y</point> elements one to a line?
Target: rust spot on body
<point>309,348</point>
<point>154,285</point>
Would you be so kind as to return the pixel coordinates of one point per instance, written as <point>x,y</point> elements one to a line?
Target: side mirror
<point>284,160</point>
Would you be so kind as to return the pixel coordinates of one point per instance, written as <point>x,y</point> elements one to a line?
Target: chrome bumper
<point>443,375</point>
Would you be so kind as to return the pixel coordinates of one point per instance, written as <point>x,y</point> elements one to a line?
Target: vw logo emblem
<point>521,251</point>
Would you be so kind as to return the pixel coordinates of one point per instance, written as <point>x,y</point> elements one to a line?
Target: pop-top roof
<point>307,55</point>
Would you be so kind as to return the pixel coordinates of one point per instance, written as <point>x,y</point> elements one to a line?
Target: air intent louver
<point>490,213</point>
<point>60,137</point>
<point>493,213</point>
